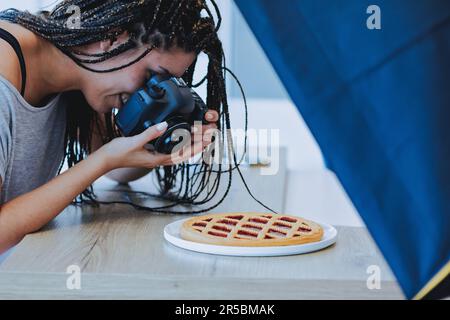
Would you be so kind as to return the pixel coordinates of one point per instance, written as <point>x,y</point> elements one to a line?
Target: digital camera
<point>164,98</point>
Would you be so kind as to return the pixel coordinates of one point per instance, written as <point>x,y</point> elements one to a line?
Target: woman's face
<point>105,91</point>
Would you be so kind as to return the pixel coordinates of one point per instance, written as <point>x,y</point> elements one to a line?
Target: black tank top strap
<point>8,37</point>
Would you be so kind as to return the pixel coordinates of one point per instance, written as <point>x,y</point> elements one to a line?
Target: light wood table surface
<point>122,254</point>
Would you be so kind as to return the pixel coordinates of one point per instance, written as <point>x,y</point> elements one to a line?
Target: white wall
<point>281,114</point>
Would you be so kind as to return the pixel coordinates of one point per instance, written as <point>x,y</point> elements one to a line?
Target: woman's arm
<point>30,211</point>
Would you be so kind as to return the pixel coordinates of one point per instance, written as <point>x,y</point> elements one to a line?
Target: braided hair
<point>156,24</point>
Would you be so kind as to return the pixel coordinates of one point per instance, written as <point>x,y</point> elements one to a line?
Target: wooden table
<point>122,254</point>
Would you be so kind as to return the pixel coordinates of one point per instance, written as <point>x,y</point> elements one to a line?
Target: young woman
<point>60,77</point>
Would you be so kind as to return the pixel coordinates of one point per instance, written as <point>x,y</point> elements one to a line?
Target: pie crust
<point>251,230</point>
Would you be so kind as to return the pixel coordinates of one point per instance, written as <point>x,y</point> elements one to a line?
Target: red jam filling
<point>247,233</point>
<point>258,220</point>
<point>288,219</point>
<point>228,222</point>
<point>218,234</point>
<point>221,228</point>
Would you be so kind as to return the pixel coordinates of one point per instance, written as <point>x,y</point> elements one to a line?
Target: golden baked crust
<point>251,230</point>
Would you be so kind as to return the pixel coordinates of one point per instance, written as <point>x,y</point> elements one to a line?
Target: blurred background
<point>311,190</point>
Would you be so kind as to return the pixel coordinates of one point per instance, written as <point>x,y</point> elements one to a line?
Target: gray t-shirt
<point>31,141</point>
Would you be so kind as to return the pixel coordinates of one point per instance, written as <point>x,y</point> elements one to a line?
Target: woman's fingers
<point>201,138</point>
<point>186,153</point>
<point>150,159</point>
<point>183,155</point>
<point>151,133</point>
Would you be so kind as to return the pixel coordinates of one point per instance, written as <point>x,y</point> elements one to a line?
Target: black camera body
<point>164,98</point>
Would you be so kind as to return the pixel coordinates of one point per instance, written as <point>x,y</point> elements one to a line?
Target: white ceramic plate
<point>172,235</point>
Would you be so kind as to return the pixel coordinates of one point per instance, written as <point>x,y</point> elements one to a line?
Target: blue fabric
<point>378,103</point>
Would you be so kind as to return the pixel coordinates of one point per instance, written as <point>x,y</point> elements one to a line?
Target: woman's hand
<point>130,152</point>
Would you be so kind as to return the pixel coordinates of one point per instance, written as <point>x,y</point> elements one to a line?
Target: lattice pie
<point>250,229</point>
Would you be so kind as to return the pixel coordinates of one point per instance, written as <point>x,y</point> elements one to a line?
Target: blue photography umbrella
<point>373,85</point>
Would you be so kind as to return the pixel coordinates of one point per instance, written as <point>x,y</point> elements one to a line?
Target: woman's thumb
<point>152,133</point>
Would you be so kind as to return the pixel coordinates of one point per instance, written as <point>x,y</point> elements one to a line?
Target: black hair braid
<point>150,24</point>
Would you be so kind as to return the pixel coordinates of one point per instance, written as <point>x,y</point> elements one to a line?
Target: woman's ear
<point>96,47</point>
<point>109,44</point>
<point>105,45</point>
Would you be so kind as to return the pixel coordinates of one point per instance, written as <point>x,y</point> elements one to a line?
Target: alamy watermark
<point>374,279</point>
<point>373,22</point>
<point>231,147</point>
<point>74,21</point>
<point>73,281</point>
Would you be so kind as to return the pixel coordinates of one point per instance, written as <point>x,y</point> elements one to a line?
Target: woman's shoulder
<point>9,64</point>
